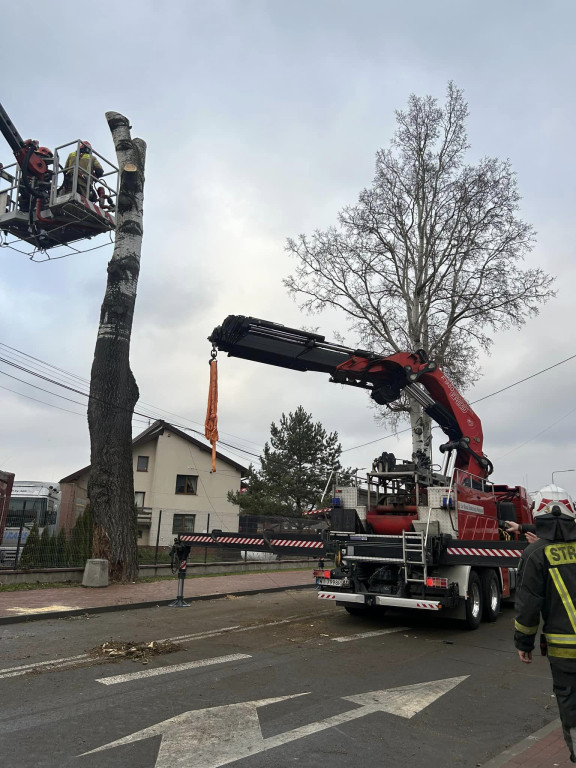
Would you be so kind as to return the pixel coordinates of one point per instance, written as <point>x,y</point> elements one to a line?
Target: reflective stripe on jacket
<point>83,163</point>
<point>547,588</point>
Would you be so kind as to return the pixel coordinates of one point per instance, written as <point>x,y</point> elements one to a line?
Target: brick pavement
<point>544,749</point>
<point>53,603</point>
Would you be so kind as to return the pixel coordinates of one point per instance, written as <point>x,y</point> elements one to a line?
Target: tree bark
<point>421,425</point>
<point>113,389</point>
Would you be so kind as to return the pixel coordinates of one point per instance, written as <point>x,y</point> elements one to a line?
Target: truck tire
<point>474,601</point>
<point>490,595</point>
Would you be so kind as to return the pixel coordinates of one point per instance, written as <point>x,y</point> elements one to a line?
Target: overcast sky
<point>262,120</point>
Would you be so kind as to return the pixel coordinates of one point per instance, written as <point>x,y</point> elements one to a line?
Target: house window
<point>186,483</point>
<point>183,523</point>
<point>139,498</point>
<point>142,464</point>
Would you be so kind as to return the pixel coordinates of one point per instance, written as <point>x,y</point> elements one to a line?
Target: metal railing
<point>71,177</point>
<point>67,180</point>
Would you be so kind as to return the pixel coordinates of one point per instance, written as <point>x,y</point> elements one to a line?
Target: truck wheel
<point>474,601</point>
<point>490,595</point>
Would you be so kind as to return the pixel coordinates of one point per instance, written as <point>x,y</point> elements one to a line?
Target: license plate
<point>333,582</point>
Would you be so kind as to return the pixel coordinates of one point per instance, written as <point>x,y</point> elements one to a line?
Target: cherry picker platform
<point>50,199</point>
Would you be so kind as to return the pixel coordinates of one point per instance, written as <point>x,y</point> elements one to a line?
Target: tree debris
<point>118,650</point>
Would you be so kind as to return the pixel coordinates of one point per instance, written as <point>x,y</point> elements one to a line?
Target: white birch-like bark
<point>113,389</point>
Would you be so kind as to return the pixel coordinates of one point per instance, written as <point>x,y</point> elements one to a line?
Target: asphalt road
<point>266,680</point>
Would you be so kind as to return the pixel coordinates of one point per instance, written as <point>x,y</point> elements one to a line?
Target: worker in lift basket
<point>547,589</point>
<point>84,165</point>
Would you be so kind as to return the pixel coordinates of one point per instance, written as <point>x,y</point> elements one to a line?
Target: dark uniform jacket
<point>547,588</point>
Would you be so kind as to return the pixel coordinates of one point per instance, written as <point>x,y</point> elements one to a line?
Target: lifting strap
<point>211,423</point>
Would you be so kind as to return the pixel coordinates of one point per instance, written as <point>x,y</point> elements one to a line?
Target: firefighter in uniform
<point>86,162</point>
<point>547,589</point>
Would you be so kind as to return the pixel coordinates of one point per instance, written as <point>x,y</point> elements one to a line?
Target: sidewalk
<point>66,601</point>
<point>543,749</point>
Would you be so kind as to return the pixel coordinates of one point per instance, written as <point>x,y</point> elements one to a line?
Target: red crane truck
<point>433,541</point>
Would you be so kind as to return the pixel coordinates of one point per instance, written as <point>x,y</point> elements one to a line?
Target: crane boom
<point>265,342</point>
<point>387,377</point>
<point>9,131</point>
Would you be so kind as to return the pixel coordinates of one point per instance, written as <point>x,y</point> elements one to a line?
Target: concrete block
<point>95,573</point>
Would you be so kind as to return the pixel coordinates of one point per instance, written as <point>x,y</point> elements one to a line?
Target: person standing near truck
<point>547,589</point>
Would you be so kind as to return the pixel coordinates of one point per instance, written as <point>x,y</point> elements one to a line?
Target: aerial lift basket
<point>76,204</point>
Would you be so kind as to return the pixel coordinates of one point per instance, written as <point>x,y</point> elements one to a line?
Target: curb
<point>522,746</point>
<point>20,618</point>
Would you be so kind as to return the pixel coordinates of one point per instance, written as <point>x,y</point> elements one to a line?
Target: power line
<point>513,450</point>
<point>36,400</point>
<point>473,402</point>
<point>532,376</point>
<point>38,363</point>
<point>79,392</point>
<point>190,429</point>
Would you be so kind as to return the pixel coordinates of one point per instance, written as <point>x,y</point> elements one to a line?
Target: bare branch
<point>431,253</point>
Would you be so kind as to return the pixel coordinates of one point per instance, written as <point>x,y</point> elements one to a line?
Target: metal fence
<point>36,547</point>
<point>44,548</point>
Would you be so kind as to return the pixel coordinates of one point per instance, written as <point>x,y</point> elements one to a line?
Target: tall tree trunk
<point>421,432</point>
<point>113,389</point>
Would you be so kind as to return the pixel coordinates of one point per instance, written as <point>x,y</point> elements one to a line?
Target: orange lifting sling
<point>211,423</point>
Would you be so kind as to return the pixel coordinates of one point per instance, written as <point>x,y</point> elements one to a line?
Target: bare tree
<point>429,256</point>
<point>113,389</point>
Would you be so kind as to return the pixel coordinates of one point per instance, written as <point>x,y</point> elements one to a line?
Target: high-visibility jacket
<point>83,163</point>
<point>547,588</point>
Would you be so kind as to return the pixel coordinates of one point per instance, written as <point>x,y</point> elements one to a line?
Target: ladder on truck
<point>414,553</point>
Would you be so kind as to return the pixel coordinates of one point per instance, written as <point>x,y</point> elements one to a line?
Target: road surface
<point>272,679</point>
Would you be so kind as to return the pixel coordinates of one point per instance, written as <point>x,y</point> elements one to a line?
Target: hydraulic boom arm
<point>385,377</point>
<point>25,152</point>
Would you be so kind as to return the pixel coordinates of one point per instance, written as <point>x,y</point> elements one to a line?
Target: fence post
<point>157,538</point>
<point>207,531</point>
<point>19,538</point>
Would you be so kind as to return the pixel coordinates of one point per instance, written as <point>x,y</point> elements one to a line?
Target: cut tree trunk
<point>113,389</point>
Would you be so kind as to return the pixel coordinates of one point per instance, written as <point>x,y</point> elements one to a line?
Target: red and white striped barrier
<point>251,542</point>
<point>96,209</point>
<point>467,551</point>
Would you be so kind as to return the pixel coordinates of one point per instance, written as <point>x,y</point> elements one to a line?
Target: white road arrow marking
<point>210,738</point>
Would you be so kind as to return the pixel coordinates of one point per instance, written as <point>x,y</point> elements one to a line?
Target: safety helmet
<point>553,496</point>
<point>85,145</point>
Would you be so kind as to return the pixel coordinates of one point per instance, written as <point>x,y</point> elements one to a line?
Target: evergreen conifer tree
<point>30,553</point>
<point>295,467</point>
<point>44,550</point>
